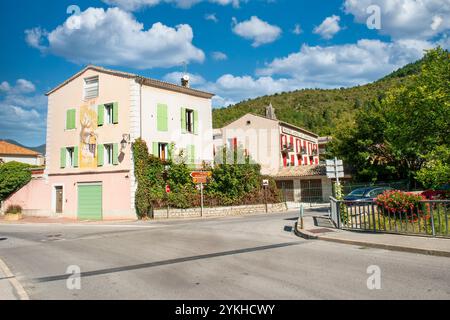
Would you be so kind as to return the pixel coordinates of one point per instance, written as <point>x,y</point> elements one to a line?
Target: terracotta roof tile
<point>302,171</point>
<point>12,149</point>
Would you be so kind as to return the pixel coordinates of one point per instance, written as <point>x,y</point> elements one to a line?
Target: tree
<point>436,171</point>
<point>394,136</point>
<point>13,176</point>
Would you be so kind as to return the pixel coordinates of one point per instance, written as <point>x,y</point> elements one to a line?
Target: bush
<point>14,209</point>
<point>13,176</point>
<point>437,194</point>
<point>401,204</point>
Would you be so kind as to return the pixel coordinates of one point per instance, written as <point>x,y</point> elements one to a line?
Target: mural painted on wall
<point>88,137</point>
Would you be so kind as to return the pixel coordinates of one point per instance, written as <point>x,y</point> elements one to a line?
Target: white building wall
<point>28,160</point>
<point>175,101</point>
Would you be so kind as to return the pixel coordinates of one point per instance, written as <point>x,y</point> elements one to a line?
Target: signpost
<point>167,197</point>
<point>335,170</point>
<point>201,178</point>
<point>265,186</point>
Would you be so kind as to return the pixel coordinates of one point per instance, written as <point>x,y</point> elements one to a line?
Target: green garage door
<point>90,202</point>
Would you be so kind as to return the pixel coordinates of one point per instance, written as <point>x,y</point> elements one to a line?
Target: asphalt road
<point>255,257</point>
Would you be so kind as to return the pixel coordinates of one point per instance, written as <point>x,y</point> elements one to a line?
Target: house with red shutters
<point>286,152</point>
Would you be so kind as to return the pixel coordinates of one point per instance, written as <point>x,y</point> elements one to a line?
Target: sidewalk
<point>58,220</point>
<point>413,244</point>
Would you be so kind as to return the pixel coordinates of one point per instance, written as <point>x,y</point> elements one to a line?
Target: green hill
<point>318,110</point>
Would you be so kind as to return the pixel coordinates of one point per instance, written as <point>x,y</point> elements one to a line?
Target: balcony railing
<point>287,148</point>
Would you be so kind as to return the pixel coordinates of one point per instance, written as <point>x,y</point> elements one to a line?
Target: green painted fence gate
<point>90,202</point>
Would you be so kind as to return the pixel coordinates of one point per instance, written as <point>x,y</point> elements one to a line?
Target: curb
<point>429,252</point>
<point>310,236</point>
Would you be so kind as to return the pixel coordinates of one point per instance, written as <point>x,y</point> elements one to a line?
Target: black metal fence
<point>429,218</point>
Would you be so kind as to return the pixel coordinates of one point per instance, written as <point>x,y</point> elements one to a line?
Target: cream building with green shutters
<point>93,118</point>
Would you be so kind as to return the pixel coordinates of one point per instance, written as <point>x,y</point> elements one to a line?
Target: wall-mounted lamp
<point>125,141</point>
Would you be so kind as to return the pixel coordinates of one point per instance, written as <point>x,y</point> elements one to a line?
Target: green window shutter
<point>100,115</point>
<point>75,157</point>
<point>183,120</point>
<point>115,112</point>
<point>73,119</point>
<point>155,149</point>
<point>63,158</point>
<point>195,122</point>
<point>191,154</point>
<point>70,119</point>
<point>115,154</point>
<point>162,120</point>
<point>100,154</point>
<point>67,119</point>
<point>171,150</point>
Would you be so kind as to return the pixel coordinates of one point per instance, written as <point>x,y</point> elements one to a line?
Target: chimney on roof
<point>185,81</point>
<point>270,112</point>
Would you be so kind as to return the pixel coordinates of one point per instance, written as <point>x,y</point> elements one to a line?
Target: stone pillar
<point>327,189</point>
<point>297,190</point>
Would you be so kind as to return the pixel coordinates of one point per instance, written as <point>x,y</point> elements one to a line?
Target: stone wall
<point>220,211</point>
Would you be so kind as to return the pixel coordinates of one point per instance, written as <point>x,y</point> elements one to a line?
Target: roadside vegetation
<point>230,183</point>
<point>13,176</point>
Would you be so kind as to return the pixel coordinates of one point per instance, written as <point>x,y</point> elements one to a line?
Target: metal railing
<point>428,218</point>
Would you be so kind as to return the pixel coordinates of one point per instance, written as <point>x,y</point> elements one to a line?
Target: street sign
<point>200,177</point>
<point>335,169</point>
<point>332,163</point>
<point>333,175</point>
<point>265,183</point>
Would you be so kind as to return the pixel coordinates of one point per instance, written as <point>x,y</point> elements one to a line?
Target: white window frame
<point>91,84</point>
<point>109,109</point>
<point>69,157</point>
<point>190,120</point>
<point>108,154</point>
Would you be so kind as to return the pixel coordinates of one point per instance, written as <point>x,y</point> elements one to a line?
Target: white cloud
<point>319,67</point>
<point>297,30</point>
<point>405,19</point>
<point>329,27</point>
<point>346,65</point>
<point>133,5</point>
<point>114,37</point>
<point>260,32</point>
<point>22,112</point>
<point>211,17</point>
<point>219,56</point>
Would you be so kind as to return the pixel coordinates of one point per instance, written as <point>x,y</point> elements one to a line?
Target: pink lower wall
<point>34,198</point>
<point>37,198</point>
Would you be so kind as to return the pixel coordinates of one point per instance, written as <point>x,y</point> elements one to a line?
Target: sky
<point>236,49</point>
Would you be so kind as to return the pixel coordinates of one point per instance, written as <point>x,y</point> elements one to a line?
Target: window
<point>91,88</point>
<point>108,154</point>
<point>70,157</point>
<point>190,121</point>
<point>249,122</point>
<point>108,113</point>
<point>163,152</point>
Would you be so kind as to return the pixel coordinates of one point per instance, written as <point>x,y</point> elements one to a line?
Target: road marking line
<point>79,225</point>
<point>14,282</point>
